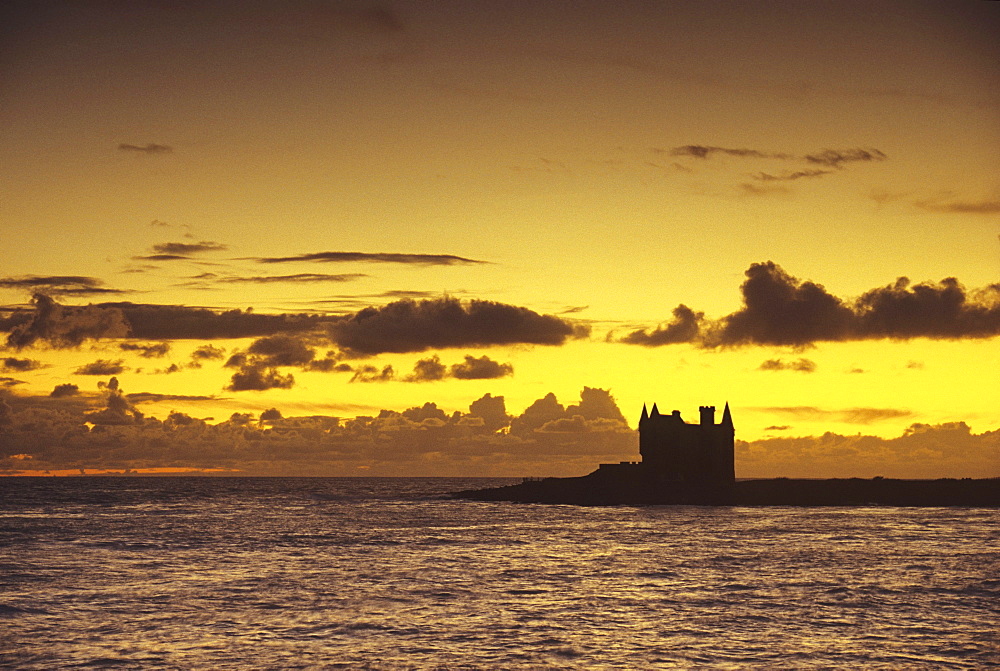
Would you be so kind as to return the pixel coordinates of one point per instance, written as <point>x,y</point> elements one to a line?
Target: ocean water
<point>229,573</point>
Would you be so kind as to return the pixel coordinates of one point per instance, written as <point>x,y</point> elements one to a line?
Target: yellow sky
<point>604,163</point>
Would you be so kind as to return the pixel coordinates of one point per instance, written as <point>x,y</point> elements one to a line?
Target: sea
<point>390,573</point>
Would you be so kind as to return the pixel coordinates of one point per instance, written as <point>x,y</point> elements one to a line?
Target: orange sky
<point>545,183</point>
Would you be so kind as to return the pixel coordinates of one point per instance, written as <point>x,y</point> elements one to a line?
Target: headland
<point>693,464</point>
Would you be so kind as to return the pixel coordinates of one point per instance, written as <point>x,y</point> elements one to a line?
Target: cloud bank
<point>779,309</point>
<point>416,326</point>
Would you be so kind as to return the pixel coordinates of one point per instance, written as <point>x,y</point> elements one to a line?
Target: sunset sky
<point>790,206</point>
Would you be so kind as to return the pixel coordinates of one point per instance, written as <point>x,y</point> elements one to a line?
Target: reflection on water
<point>278,573</point>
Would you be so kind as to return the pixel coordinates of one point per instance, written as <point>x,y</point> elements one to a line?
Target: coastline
<point>602,488</point>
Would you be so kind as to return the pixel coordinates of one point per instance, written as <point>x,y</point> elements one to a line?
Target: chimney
<point>707,415</point>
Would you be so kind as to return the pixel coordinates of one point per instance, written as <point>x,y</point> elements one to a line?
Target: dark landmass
<point>606,487</point>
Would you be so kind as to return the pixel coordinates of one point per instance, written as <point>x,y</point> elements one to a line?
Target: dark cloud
<point>118,412</point>
<point>63,390</point>
<point>428,370</point>
<point>344,257</point>
<point>11,364</point>
<point>175,322</point>
<point>755,190</point>
<point>961,207</point>
<point>101,367</point>
<point>932,310</point>
<point>188,248</point>
<point>800,365</point>
<point>270,415</point>
<point>161,257</point>
<point>10,382</point>
<point>790,176</point>
<point>702,151</point>
<point>779,309</point>
<point>281,350</point>
<point>370,373</point>
<point>65,326</point>
<point>146,350</point>
<point>685,327</point>
<point>483,368</point>
<point>783,427</point>
<point>834,157</point>
<point>150,397</point>
<point>412,326</point>
<point>145,148</point>
<point>300,278</point>
<point>207,353</point>
<point>59,285</point>
<point>255,377</point>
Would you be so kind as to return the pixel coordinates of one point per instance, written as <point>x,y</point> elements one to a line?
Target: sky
<point>474,238</point>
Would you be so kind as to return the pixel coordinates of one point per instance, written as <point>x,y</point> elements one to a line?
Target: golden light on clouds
<point>336,209</point>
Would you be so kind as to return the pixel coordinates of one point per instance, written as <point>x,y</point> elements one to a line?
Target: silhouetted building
<point>676,450</point>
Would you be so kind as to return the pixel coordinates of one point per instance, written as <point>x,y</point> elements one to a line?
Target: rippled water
<point>383,573</point>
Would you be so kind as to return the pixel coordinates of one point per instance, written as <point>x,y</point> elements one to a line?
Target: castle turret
<point>645,415</point>
<point>727,419</point>
<point>707,415</point>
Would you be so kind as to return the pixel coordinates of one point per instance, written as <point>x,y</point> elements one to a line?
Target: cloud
<point>923,451</point>
<point>702,151</point>
<point>368,373</point>
<point>483,368</point>
<point>146,350</point>
<point>801,365</point>
<point>281,350</point>
<point>685,327</point>
<point>345,257</point>
<point>59,285</point>
<point>207,353</point>
<point>148,149</point>
<point>64,326</point>
<point>188,248</point>
<point>834,157</point>
<point>545,439</point>
<point>151,397</point>
<point>256,377</point>
<point>13,365</point>
<point>779,309</point>
<point>10,382</point>
<point>755,190</point>
<point>175,322</point>
<point>961,206</point>
<point>845,415</point>
<point>118,412</point>
<point>101,367</point>
<point>415,326</point>
<point>300,277</point>
<point>63,390</point>
<point>944,309</point>
<point>790,176</point>
<point>428,370</point>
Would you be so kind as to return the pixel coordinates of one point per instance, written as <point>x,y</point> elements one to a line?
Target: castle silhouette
<point>674,451</point>
<point>693,464</point>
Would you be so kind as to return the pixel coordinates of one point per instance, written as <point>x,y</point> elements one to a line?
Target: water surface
<point>385,573</point>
